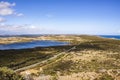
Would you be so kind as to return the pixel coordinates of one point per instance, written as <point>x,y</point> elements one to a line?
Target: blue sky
<point>60,17</point>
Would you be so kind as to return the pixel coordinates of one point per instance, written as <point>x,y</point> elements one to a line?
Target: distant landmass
<point>37,35</point>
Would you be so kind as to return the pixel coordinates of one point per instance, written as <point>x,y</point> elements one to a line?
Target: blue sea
<point>111,36</point>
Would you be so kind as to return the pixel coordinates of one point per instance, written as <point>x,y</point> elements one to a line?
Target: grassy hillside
<point>18,58</point>
<point>93,58</point>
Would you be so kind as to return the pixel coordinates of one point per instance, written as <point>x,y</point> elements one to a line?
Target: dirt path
<point>45,61</point>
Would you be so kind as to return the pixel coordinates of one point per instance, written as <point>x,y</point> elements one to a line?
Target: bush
<point>8,74</point>
<point>106,77</point>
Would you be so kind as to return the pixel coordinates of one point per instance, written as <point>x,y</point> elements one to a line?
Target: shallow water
<point>32,44</point>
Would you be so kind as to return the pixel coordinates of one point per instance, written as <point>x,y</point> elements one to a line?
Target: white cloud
<point>6,4</point>
<point>22,29</point>
<point>27,29</point>
<point>32,27</point>
<point>19,14</point>
<point>118,31</point>
<point>6,9</point>
<point>15,27</point>
<point>2,19</point>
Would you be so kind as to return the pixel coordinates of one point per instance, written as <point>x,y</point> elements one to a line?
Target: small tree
<point>8,74</point>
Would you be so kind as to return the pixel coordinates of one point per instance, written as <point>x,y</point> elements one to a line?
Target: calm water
<point>33,44</point>
<point>111,36</point>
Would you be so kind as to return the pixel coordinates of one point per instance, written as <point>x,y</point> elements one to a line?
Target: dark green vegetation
<point>105,77</point>
<point>8,74</point>
<point>61,66</point>
<point>100,45</point>
<point>19,58</point>
<point>66,67</point>
<point>108,48</point>
<point>16,59</point>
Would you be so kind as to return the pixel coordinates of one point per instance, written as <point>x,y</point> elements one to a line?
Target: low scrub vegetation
<point>95,54</point>
<point>8,74</point>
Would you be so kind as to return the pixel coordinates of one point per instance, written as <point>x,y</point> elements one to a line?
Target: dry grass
<point>94,58</point>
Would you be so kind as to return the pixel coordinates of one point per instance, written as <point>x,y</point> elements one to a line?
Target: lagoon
<point>32,44</point>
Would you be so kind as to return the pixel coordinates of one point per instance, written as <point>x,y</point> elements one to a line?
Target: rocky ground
<point>81,65</point>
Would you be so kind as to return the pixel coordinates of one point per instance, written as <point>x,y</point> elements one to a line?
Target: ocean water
<point>111,36</point>
<point>32,44</point>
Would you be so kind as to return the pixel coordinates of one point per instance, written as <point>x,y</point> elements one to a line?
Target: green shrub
<point>8,74</point>
<point>106,77</point>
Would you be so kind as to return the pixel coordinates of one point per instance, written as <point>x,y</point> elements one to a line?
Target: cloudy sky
<point>60,17</point>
